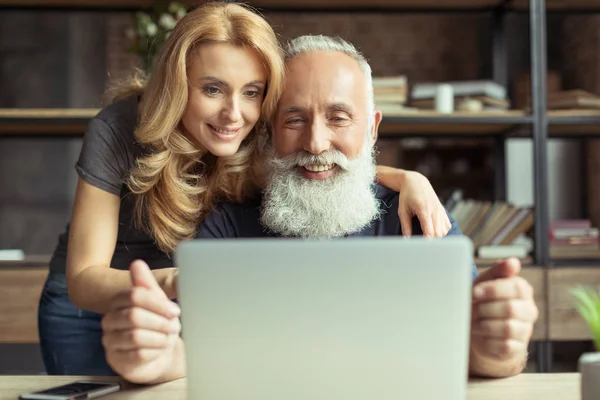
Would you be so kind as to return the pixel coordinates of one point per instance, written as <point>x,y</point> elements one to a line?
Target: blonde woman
<point>153,164</point>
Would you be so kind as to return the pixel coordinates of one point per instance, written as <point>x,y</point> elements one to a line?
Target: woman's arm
<point>417,198</point>
<point>92,241</point>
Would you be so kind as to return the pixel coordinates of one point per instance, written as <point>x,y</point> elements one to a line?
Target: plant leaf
<point>588,305</point>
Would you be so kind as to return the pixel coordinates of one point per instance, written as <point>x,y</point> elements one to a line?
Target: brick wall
<point>421,46</point>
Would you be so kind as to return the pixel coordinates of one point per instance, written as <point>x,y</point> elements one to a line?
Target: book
<point>460,88</point>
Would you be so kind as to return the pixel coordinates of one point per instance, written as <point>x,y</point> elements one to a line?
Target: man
<point>321,185</point>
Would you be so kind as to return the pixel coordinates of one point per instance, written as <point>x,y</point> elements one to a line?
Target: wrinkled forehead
<point>317,79</point>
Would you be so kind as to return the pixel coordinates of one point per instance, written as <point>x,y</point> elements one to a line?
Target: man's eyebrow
<point>291,110</point>
<point>345,107</point>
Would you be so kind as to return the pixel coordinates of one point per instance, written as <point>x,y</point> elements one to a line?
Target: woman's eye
<point>252,93</point>
<point>211,90</point>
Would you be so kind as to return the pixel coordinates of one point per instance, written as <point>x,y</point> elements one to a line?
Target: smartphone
<point>74,391</point>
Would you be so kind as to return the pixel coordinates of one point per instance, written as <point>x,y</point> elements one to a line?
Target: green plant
<point>588,306</point>
<point>151,29</point>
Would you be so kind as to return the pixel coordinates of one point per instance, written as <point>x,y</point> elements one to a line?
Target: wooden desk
<point>521,387</point>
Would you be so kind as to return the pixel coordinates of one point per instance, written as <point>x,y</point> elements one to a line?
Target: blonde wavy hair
<point>176,183</point>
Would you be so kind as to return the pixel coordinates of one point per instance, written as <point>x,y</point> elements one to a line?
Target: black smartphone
<point>74,391</point>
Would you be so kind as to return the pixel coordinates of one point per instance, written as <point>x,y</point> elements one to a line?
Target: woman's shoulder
<point>121,114</point>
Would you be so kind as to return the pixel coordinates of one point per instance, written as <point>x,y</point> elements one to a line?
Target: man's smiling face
<point>321,165</point>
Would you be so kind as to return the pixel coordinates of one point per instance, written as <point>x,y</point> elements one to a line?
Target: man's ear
<point>377,117</point>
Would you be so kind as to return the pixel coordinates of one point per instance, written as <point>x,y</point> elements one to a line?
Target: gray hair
<point>314,43</point>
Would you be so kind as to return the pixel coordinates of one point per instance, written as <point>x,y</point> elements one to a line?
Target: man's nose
<point>317,139</point>
<point>232,111</point>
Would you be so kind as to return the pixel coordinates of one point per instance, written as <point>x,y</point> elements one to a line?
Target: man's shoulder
<point>385,194</point>
<point>229,219</point>
<point>388,201</point>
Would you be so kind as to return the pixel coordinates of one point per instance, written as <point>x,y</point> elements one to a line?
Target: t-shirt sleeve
<point>217,224</point>
<point>103,160</point>
<point>455,231</point>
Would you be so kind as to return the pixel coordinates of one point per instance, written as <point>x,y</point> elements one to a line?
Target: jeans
<point>71,339</point>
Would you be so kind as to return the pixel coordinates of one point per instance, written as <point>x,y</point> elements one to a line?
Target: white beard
<point>345,203</point>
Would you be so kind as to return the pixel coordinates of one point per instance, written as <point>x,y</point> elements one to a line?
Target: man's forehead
<point>331,77</point>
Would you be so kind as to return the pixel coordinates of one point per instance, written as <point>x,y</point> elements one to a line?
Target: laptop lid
<point>353,319</point>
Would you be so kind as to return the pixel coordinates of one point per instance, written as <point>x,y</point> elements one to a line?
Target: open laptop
<point>354,319</point>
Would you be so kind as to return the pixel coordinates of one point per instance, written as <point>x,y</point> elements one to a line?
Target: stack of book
<point>494,227</point>
<point>390,94</point>
<point>490,95</point>
<point>574,239</point>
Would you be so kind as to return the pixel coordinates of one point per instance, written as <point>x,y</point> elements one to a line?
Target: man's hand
<point>141,331</point>
<point>503,316</point>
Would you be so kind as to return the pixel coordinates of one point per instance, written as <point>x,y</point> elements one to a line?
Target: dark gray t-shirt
<point>108,153</point>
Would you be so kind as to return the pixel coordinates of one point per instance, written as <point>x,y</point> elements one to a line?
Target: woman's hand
<point>417,198</point>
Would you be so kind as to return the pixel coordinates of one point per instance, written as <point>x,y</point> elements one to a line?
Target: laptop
<point>353,319</point>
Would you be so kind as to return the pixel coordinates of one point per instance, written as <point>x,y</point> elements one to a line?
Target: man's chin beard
<point>342,204</point>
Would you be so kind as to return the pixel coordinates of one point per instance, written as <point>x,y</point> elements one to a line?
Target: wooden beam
<point>267,4</point>
<point>560,5</point>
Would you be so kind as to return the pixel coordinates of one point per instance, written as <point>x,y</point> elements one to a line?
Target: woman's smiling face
<point>226,90</point>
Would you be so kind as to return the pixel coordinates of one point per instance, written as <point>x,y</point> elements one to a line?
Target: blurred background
<point>453,78</point>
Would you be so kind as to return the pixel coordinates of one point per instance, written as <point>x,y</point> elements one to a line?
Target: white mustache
<point>305,158</point>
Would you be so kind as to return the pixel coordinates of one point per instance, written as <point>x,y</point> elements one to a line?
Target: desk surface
<point>521,387</point>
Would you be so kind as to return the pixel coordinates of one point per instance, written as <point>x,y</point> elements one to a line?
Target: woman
<point>153,164</point>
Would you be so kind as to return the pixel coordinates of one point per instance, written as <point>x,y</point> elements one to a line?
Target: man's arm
<point>503,314</point>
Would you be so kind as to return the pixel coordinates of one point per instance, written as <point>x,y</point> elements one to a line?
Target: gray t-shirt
<point>108,152</point>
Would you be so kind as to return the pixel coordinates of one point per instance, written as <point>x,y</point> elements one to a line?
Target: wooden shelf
<point>581,123</point>
<point>269,4</point>
<point>559,5</point>
<point>462,124</point>
<point>69,122</point>
<point>30,261</point>
<point>45,121</point>
<point>574,123</point>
